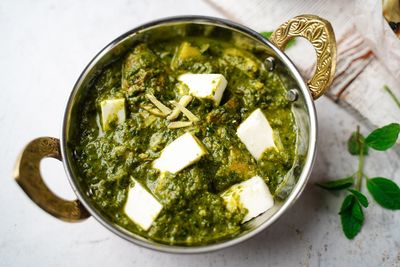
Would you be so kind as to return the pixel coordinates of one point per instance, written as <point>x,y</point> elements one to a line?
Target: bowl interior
<point>242,37</point>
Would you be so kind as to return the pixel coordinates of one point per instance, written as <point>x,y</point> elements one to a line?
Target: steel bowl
<point>315,29</point>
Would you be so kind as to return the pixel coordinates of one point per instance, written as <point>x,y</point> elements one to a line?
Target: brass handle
<point>320,33</point>
<point>27,175</point>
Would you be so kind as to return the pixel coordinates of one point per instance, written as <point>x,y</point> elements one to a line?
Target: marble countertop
<point>44,47</point>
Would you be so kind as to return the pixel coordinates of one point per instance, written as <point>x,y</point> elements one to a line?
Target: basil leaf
<point>351,216</point>
<point>360,197</point>
<point>354,144</point>
<point>357,212</point>
<point>383,138</point>
<point>347,203</point>
<point>289,44</point>
<point>337,184</point>
<point>266,34</point>
<point>385,192</point>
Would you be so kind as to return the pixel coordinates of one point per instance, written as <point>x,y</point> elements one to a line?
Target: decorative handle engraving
<point>320,33</point>
<point>27,175</point>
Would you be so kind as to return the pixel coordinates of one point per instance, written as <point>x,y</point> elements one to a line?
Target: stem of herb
<point>360,161</point>
<point>394,97</point>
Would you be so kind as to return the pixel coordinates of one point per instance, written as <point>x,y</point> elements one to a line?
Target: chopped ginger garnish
<point>186,112</point>
<point>164,109</point>
<point>184,101</point>
<point>179,124</point>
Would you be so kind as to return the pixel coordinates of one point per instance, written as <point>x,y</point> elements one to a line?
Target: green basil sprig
<point>384,191</point>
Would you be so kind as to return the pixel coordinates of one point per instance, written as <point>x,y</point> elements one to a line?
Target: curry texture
<point>193,211</point>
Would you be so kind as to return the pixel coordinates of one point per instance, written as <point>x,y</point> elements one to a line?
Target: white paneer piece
<point>256,133</point>
<point>142,207</point>
<point>209,86</point>
<point>180,153</point>
<point>252,194</point>
<point>112,110</point>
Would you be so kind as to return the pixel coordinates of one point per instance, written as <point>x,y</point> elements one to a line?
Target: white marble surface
<point>44,46</point>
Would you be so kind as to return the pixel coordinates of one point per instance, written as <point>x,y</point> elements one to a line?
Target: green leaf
<point>355,142</point>
<point>357,212</point>
<point>289,44</point>
<point>385,192</point>
<point>337,184</point>
<point>360,197</point>
<point>347,203</point>
<point>351,216</point>
<point>383,138</point>
<point>266,34</point>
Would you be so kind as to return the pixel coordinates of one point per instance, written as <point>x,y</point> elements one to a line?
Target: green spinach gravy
<point>111,159</point>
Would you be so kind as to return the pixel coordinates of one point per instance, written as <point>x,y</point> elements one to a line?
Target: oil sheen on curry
<point>184,141</point>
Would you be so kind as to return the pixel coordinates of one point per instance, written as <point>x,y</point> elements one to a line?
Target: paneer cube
<point>180,153</point>
<point>256,133</point>
<point>252,194</point>
<point>208,86</point>
<point>112,110</point>
<point>142,207</point>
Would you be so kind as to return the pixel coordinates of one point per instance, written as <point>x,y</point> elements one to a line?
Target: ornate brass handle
<point>27,175</point>
<point>320,33</point>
